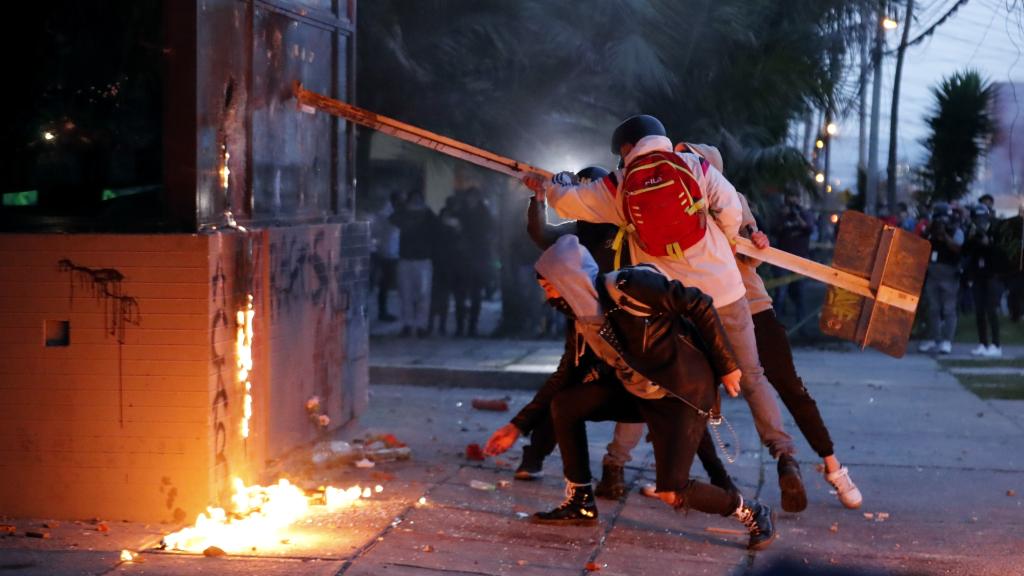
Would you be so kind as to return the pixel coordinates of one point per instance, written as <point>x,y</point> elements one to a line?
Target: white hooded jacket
<point>709,264</point>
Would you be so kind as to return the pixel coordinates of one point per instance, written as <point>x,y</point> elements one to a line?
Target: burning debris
<point>259,517</point>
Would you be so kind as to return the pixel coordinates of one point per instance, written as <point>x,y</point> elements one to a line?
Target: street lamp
<point>819,144</point>
<point>889,24</point>
<point>831,129</point>
<point>819,177</point>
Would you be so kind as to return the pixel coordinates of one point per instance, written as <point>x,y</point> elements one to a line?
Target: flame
<point>224,171</point>
<point>259,517</point>
<point>243,355</point>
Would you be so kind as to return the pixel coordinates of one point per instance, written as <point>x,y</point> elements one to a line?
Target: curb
<point>441,377</point>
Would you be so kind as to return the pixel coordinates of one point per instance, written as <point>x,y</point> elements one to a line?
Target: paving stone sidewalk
<point>946,467</point>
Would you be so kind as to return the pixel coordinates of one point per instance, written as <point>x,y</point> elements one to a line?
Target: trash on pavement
<point>473,452</point>
<point>213,551</point>
<point>481,485</point>
<point>494,405</point>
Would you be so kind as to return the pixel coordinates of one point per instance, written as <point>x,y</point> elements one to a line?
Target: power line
<point>931,29</point>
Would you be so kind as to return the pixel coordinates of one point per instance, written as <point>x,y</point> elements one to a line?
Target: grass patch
<point>1009,332</point>
<point>982,362</point>
<point>1001,387</point>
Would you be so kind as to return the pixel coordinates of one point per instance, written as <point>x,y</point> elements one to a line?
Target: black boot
<point>579,509</point>
<point>613,483</point>
<point>760,522</point>
<point>794,498</point>
<point>532,465</point>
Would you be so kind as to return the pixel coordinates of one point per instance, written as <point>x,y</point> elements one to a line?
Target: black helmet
<point>591,173</point>
<point>634,128</point>
<point>941,210</point>
<point>980,211</point>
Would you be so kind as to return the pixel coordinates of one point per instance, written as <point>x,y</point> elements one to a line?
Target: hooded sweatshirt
<point>573,272</point>
<point>709,264</point>
<point>757,294</point>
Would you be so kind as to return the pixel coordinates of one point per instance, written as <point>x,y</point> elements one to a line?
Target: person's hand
<point>731,381</point>
<point>534,182</point>
<point>502,439</point>
<point>760,240</point>
<point>565,179</point>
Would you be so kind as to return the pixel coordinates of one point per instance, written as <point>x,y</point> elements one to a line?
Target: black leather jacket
<point>682,346</point>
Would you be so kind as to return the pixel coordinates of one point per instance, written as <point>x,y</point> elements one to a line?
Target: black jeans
<point>777,360</point>
<point>987,293</point>
<point>675,429</point>
<point>387,278</point>
<point>542,441</point>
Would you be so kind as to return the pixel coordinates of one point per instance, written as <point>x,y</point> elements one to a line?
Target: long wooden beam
<point>827,274</point>
<point>310,101</point>
<point>413,134</point>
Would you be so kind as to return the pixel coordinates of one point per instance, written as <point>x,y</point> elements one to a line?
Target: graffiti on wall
<point>105,285</point>
<point>219,327</point>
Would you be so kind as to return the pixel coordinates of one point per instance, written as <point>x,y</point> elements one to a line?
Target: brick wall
<point>138,417</point>
<point>97,425</point>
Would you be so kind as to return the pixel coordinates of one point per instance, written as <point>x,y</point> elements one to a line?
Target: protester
<point>668,349</point>
<point>984,267</point>
<point>448,255</point>
<point>942,283</point>
<point>384,258</point>
<point>418,226</point>
<point>793,235</point>
<point>476,238</point>
<point>777,357</point>
<point>667,224</point>
<point>598,239</point>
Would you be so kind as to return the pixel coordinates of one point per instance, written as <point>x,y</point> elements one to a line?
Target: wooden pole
<point>311,102</point>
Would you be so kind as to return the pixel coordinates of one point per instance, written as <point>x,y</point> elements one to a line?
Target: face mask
<point>562,306</point>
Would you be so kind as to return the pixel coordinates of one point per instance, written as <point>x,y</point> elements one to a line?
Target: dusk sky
<point>987,35</point>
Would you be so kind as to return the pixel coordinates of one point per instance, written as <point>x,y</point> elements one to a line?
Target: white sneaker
<point>993,351</point>
<point>649,490</point>
<point>945,347</point>
<point>926,346</point>
<point>847,491</point>
<point>980,350</point>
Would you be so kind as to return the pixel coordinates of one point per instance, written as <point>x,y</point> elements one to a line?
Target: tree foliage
<point>961,127</point>
<point>533,78</point>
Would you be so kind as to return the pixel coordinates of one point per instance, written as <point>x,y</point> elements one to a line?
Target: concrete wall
<point>139,416</point>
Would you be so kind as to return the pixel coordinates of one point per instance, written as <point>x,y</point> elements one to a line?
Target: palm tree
<point>961,128</point>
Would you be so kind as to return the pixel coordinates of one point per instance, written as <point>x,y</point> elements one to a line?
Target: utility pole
<point>891,184</point>
<point>871,190</point>
<point>862,112</point>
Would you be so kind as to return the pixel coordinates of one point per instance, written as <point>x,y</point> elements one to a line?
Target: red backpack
<point>662,201</point>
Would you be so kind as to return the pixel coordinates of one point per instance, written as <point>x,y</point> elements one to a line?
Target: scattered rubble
<point>375,448</point>
<point>481,485</point>
<point>494,405</point>
<point>131,556</point>
<point>213,551</point>
<point>474,452</point>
